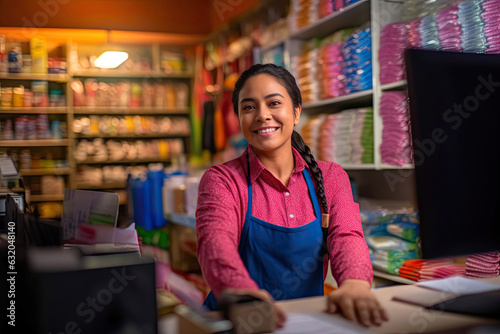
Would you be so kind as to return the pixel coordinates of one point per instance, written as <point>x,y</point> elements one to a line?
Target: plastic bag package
<point>491,18</point>
<point>429,33</point>
<point>472,25</point>
<point>413,9</point>
<point>358,61</point>
<point>450,32</point>
<point>347,137</point>
<point>391,230</point>
<point>331,65</point>
<point>393,42</point>
<point>396,148</point>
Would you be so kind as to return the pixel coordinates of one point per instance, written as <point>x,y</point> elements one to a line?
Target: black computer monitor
<point>455,123</point>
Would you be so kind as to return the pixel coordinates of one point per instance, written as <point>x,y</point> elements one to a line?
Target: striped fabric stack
<point>450,32</point>
<point>491,17</point>
<point>393,42</point>
<point>483,265</point>
<point>396,142</point>
<point>414,38</point>
<point>423,270</point>
<point>310,133</point>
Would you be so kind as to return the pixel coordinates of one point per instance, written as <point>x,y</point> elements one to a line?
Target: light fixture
<point>111,59</point>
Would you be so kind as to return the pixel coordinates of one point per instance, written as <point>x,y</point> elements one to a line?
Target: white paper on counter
<point>300,323</point>
<point>459,285</point>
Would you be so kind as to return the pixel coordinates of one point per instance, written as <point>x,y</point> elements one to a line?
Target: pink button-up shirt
<point>222,206</point>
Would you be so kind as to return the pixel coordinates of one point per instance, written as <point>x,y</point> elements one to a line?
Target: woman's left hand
<point>356,302</point>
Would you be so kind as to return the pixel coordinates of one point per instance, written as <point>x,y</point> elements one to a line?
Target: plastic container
<point>18,96</point>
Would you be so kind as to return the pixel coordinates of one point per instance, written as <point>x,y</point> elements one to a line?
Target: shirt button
<point>291,216</point>
<point>287,194</point>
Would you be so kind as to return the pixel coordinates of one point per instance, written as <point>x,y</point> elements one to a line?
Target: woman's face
<point>266,114</point>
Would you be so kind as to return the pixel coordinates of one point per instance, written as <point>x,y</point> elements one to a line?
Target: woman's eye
<point>275,103</point>
<point>247,107</point>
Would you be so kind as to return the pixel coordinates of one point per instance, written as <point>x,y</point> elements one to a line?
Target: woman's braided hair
<point>288,81</point>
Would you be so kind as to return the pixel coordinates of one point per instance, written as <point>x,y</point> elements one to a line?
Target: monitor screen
<point>455,123</point>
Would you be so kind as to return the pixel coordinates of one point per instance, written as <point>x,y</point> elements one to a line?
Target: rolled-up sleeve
<point>350,258</point>
<point>218,227</point>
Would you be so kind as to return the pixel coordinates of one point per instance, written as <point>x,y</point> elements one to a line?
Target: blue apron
<point>285,261</point>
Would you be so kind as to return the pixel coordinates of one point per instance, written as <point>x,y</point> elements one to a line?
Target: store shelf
<point>34,143</point>
<point>387,166</point>
<point>47,198</point>
<point>358,166</point>
<point>35,76</point>
<point>128,111</point>
<point>135,136</point>
<point>34,110</point>
<point>181,219</point>
<point>345,101</point>
<point>393,278</point>
<point>394,85</point>
<point>114,162</point>
<point>131,74</point>
<point>350,16</point>
<point>106,185</point>
<point>45,171</point>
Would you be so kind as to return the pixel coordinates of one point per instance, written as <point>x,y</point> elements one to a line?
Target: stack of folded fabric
<point>450,33</point>
<point>414,38</point>
<point>429,33</point>
<point>326,144</point>
<point>325,8</point>
<point>358,60</point>
<point>472,25</point>
<point>331,64</point>
<point>483,265</point>
<point>310,133</point>
<point>396,148</point>
<point>491,17</point>
<point>305,12</point>
<point>423,270</point>
<point>393,42</point>
<point>361,137</point>
<point>391,234</point>
<point>307,72</point>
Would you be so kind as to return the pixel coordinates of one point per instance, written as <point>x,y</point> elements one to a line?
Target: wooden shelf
<point>34,143</point>
<point>63,77</point>
<point>134,136</point>
<point>47,198</point>
<point>394,85</point>
<point>106,185</point>
<point>405,166</point>
<point>344,101</point>
<point>34,110</point>
<point>347,17</point>
<point>393,278</point>
<point>135,161</point>
<point>129,111</point>
<point>131,74</point>
<point>358,166</point>
<point>45,171</point>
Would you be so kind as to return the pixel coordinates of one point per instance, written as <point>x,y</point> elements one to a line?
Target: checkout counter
<point>403,317</point>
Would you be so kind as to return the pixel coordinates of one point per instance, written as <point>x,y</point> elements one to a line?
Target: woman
<point>258,218</point>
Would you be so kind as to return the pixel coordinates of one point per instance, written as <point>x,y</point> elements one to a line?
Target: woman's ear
<point>297,112</point>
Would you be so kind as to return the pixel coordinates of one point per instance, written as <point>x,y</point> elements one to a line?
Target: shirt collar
<point>257,167</point>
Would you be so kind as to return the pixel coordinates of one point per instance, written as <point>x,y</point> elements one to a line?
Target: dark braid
<point>288,81</point>
<point>304,150</point>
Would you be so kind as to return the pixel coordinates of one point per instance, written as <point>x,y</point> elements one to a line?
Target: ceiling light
<point>111,59</point>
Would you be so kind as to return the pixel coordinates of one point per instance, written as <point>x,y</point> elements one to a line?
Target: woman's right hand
<point>279,315</point>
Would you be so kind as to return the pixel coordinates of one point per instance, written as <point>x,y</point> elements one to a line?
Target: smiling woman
<point>264,227</point>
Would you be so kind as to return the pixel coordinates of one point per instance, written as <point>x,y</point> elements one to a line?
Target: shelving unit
<point>118,162</point>
<point>35,110</point>
<point>127,111</point>
<point>45,171</point>
<point>398,85</point>
<point>35,76</point>
<point>34,143</point>
<point>392,278</point>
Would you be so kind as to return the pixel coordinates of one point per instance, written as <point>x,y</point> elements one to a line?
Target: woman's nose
<point>263,114</point>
